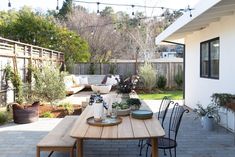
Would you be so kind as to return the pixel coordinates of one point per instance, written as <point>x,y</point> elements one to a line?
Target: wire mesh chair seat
<point>165,103</point>
<point>169,141</point>
<point>166,143</point>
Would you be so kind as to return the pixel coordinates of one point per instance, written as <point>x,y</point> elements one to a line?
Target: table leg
<point>79,148</point>
<point>154,147</point>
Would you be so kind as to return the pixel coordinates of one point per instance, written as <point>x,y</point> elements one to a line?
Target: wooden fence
<point>168,69</point>
<point>19,55</point>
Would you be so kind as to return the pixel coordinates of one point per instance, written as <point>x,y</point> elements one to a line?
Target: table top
<point>130,128</point>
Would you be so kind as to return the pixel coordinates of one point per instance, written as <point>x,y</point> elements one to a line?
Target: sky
<point>43,5</point>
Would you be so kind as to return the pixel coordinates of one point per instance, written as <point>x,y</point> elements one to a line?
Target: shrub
<point>92,69</point>
<point>161,82</point>
<point>68,107</point>
<point>112,68</point>
<point>3,117</point>
<point>15,79</point>
<point>49,83</point>
<point>179,79</point>
<point>48,115</point>
<point>148,76</point>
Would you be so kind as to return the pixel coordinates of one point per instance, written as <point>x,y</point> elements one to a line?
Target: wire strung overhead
<point>133,6</point>
<point>124,5</point>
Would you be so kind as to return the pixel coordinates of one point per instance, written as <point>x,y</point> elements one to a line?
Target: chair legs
<point>147,151</point>
<point>175,151</point>
<point>170,152</point>
<point>141,146</point>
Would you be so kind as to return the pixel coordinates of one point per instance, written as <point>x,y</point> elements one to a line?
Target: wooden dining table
<point>128,129</point>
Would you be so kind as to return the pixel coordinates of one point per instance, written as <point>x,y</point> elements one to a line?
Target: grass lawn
<point>174,95</point>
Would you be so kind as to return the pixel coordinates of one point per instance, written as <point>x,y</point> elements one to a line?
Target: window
<point>209,54</point>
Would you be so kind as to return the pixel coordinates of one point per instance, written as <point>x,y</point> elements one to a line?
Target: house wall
<point>199,90</point>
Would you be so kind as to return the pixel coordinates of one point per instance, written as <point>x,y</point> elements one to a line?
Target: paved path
<point>193,141</point>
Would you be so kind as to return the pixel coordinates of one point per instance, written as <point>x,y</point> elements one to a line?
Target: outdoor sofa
<point>76,83</point>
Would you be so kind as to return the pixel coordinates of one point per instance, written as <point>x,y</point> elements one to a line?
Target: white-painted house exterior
<point>210,19</point>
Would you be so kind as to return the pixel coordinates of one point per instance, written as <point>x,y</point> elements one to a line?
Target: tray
<point>106,122</point>
<point>142,114</point>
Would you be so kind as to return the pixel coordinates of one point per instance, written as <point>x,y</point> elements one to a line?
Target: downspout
<point>170,42</point>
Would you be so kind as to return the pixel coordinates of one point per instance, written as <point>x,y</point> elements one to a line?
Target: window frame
<point>209,58</point>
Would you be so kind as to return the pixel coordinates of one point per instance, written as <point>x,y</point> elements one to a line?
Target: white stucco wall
<point>199,90</point>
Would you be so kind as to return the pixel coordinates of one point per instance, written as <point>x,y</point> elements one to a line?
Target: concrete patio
<point>193,141</point>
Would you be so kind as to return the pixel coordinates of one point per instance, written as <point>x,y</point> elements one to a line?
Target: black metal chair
<point>165,103</point>
<point>169,142</point>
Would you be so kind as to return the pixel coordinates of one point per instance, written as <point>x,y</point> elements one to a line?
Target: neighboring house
<point>209,38</point>
<point>168,54</point>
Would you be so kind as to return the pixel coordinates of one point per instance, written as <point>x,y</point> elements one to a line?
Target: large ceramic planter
<point>25,115</point>
<point>227,118</point>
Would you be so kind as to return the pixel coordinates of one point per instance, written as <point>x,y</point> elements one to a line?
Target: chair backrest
<point>175,120</point>
<point>165,103</point>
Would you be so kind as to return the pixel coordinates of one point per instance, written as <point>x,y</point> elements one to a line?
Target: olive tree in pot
<point>209,115</point>
<point>49,83</point>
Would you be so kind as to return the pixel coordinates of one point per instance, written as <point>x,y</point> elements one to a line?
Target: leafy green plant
<point>49,83</point>
<point>112,68</point>
<point>148,76</point>
<point>48,114</point>
<point>68,107</point>
<point>222,99</point>
<point>210,111</point>
<point>92,68</point>
<point>161,82</point>
<point>134,102</point>
<point>120,105</point>
<point>15,79</point>
<point>179,79</point>
<point>3,117</point>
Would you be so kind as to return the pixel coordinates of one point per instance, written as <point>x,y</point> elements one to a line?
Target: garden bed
<point>58,111</point>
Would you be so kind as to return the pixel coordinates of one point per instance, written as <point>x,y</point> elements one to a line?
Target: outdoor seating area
<point>21,140</point>
<point>117,78</point>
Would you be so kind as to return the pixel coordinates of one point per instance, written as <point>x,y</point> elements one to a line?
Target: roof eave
<point>169,33</point>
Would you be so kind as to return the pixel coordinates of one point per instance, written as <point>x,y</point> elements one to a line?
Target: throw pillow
<point>84,80</point>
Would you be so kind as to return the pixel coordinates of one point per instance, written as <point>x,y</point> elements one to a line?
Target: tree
<point>38,29</point>
<point>66,9</point>
<point>99,31</point>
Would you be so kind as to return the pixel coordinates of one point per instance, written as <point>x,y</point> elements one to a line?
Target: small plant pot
<point>208,123</point>
<point>124,112</point>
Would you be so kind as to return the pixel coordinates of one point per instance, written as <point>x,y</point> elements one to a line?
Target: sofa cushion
<point>111,80</point>
<point>83,80</point>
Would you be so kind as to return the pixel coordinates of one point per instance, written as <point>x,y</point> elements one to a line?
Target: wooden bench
<point>59,138</point>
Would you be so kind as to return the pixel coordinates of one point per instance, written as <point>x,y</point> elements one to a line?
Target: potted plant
<point>124,85</point>
<point>122,108</point>
<point>134,103</point>
<point>226,102</point>
<point>208,115</point>
<point>21,113</point>
<point>49,83</point>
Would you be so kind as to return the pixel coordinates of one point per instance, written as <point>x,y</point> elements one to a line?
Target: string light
<point>98,11</point>
<point>57,7</point>
<point>9,3</point>
<point>133,13</point>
